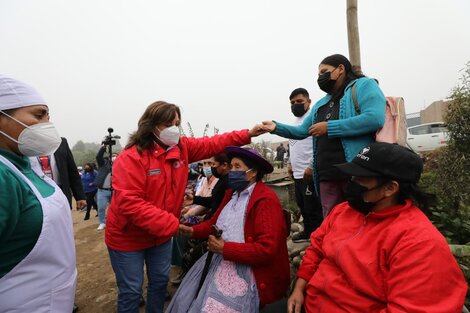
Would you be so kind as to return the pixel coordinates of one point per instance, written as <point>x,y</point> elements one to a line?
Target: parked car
<point>427,137</point>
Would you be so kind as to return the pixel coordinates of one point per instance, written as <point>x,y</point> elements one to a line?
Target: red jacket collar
<point>173,153</point>
<point>391,211</point>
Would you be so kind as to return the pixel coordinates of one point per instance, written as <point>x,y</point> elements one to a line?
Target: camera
<point>110,139</point>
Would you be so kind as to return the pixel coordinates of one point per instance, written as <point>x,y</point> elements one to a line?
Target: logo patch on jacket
<point>153,172</point>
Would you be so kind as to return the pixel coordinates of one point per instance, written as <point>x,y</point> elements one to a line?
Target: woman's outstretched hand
<point>269,126</point>
<point>257,130</point>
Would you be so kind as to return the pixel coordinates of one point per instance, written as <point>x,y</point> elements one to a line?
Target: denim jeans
<point>129,270</point>
<point>103,197</point>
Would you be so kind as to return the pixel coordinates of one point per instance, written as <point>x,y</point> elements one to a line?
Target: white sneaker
<point>101,227</point>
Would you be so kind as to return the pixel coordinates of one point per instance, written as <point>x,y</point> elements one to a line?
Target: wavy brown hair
<point>157,113</point>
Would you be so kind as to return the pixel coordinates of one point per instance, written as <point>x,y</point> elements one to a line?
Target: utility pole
<point>353,36</point>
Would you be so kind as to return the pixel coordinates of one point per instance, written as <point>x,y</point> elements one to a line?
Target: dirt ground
<point>96,288</point>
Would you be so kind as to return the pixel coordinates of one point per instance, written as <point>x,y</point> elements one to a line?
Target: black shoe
<point>87,217</point>
<point>300,237</point>
<point>75,308</point>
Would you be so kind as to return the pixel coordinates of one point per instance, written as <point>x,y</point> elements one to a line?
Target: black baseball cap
<point>381,159</point>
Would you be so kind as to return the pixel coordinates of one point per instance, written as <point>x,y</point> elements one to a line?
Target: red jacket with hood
<point>393,260</point>
<point>265,246</point>
<point>149,190</point>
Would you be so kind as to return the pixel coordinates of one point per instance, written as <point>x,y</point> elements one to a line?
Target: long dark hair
<point>222,158</point>
<point>91,166</point>
<point>157,113</point>
<point>411,191</point>
<point>335,60</point>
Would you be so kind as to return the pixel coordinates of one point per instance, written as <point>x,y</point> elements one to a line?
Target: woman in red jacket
<point>378,252</point>
<point>250,265</point>
<point>149,181</point>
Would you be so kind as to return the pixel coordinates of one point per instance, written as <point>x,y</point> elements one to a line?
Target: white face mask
<point>170,136</point>
<point>36,140</point>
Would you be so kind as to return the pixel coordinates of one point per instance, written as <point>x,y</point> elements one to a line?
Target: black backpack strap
<point>354,96</point>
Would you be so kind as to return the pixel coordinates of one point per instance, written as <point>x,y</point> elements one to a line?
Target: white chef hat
<point>16,94</point>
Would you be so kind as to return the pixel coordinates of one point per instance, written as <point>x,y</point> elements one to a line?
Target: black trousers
<point>309,205</point>
<point>90,201</point>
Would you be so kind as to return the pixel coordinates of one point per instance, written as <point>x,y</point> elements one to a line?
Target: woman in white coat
<point>37,251</point>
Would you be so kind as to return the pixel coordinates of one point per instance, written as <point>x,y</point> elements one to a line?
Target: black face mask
<point>354,194</point>
<point>325,82</point>
<point>298,109</point>
<point>215,173</point>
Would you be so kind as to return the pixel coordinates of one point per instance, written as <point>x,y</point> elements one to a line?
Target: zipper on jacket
<point>320,306</point>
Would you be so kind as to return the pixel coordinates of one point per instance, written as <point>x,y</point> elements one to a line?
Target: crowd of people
<point>201,203</point>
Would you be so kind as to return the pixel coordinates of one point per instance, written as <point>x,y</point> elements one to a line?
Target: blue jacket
<point>88,181</point>
<point>356,130</point>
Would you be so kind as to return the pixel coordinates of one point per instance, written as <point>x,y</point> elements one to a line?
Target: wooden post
<point>353,36</point>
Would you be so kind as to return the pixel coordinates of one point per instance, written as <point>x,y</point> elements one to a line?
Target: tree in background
<point>453,168</point>
<point>85,152</point>
<point>447,172</point>
<point>453,175</point>
<point>264,149</point>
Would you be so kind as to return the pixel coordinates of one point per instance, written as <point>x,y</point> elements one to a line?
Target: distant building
<point>413,119</point>
<point>432,113</point>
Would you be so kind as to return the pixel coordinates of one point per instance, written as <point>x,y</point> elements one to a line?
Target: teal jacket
<point>356,130</point>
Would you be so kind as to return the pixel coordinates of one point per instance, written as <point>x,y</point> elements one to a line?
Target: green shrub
<point>447,170</point>
<point>447,175</point>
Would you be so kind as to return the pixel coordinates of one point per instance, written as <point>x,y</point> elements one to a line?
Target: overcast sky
<point>99,63</point>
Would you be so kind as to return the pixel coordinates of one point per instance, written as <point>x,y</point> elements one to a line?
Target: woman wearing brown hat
<point>250,265</point>
<point>378,252</point>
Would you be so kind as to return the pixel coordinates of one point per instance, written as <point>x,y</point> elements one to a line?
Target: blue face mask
<point>237,180</point>
<point>207,171</point>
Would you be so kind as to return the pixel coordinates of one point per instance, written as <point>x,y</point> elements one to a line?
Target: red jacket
<point>265,248</point>
<point>149,190</point>
<point>392,260</point>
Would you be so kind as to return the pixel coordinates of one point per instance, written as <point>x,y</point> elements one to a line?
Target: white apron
<point>45,280</point>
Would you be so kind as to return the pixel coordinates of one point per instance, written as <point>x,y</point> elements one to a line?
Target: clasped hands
<point>214,244</point>
<point>317,129</point>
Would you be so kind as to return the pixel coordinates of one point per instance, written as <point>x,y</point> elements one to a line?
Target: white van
<point>427,137</point>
